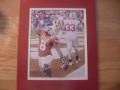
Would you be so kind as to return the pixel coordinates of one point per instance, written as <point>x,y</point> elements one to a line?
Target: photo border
<point>86,49</point>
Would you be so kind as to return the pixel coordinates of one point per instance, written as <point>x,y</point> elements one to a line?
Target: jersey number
<point>42,45</point>
<point>70,27</point>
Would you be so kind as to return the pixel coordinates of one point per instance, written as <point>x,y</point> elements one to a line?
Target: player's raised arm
<point>62,26</point>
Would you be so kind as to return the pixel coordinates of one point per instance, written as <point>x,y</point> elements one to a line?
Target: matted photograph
<point>57,44</point>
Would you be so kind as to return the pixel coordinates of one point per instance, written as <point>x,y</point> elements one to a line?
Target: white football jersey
<point>71,25</point>
<point>70,31</point>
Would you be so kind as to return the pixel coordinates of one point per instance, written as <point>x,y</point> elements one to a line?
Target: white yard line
<point>80,72</point>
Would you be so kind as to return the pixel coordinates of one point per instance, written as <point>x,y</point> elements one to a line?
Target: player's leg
<point>47,70</point>
<point>44,63</point>
<point>47,65</point>
<point>40,64</point>
<point>75,46</point>
<point>69,52</point>
<point>64,62</point>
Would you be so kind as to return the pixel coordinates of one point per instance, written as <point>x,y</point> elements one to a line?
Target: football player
<point>69,31</point>
<point>47,40</point>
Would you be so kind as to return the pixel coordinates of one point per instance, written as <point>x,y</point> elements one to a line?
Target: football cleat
<point>77,61</point>
<point>70,62</point>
